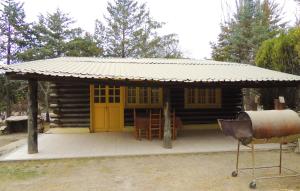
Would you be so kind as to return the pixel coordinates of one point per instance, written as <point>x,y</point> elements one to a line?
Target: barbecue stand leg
<point>253,183</point>
<point>253,159</point>
<point>235,173</point>
<point>280,159</point>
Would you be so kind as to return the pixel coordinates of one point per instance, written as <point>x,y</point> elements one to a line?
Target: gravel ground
<point>210,171</point>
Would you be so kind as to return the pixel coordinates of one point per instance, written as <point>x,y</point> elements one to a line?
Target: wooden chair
<point>155,126</point>
<point>140,132</point>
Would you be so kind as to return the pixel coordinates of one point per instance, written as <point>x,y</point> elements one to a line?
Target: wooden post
<point>167,123</point>
<point>32,117</point>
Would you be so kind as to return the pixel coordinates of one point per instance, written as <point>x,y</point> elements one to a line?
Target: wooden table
<point>142,126</point>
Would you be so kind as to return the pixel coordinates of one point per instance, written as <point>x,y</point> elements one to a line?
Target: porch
<point>55,146</point>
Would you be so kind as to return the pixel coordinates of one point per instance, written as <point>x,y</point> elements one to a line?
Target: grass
<point>18,172</point>
<point>25,170</point>
<point>205,171</point>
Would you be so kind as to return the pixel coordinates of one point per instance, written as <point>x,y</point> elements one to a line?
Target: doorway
<point>107,108</point>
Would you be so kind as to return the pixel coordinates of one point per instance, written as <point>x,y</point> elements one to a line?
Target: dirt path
<point>165,172</point>
<point>9,138</point>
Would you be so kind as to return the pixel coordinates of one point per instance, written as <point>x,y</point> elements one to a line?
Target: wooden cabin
<point>103,94</point>
<point>111,108</point>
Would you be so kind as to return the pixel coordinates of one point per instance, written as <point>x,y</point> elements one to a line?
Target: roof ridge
<point>180,61</point>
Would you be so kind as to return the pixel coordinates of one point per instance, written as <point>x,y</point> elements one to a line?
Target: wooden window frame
<point>106,95</point>
<point>143,105</point>
<point>206,105</point>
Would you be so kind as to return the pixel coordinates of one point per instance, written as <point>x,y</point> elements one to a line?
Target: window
<point>143,97</point>
<point>131,95</point>
<point>155,95</point>
<point>99,94</point>
<point>106,94</point>
<point>202,98</point>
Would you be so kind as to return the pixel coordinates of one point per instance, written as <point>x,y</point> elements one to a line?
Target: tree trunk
<point>248,99</point>
<point>167,123</point>
<point>123,43</point>
<point>297,99</point>
<point>8,60</point>
<point>46,92</point>
<point>32,117</point>
<point>8,56</point>
<point>7,97</point>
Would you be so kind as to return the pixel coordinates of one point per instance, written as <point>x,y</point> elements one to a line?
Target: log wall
<point>70,103</point>
<point>231,105</point>
<point>71,106</point>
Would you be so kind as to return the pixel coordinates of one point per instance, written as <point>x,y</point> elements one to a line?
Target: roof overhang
<point>141,83</point>
<point>150,72</point>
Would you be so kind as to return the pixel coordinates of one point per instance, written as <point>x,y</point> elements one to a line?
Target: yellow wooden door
<point>108,108</point>
<point>115,108</point>
<point>100,122</point>
<point>99,109</point>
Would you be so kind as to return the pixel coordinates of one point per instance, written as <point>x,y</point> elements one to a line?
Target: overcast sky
<point>196,22</point>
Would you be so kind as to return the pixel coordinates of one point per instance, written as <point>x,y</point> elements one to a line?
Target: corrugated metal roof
<point>179,70</point>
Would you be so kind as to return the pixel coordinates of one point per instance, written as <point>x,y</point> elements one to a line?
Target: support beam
<point>32,117</point>
<point>167,123</point>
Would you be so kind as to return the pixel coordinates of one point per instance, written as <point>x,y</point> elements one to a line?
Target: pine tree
<point>131,32</point>
<point>221,51</point>
<point>51,36</point>
<point>83,46</point>
<point>241,35</point>
<point>14,38</point>
<point>13,29</point>
<point>252,23</point>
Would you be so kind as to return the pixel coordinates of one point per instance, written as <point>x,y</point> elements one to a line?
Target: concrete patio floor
<point>55,146</point>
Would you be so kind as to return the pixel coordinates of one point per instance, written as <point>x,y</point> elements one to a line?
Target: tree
<point>52,35</point>
<point>242,34</point>
<point>14,33</point>
<point>83,46</point>
<point>221,51</point>
<point>298,15</point>
<point>281,53</point>
<point>13,30</point>
<point>131,32</point>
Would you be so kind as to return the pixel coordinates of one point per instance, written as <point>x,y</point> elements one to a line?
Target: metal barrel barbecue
<point>261,125</point>
<point>272,123</point>
<point>265,124</point>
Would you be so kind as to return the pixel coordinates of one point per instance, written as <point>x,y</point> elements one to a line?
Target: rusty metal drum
<point>272,123</point>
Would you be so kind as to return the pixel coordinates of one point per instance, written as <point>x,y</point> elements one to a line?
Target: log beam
<point>167,142</point>
<point>32,117</point>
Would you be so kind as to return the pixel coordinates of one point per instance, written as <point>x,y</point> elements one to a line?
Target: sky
<point>197,22</point>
